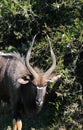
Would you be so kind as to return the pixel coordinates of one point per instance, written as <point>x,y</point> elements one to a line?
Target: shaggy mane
<point>14,54</point>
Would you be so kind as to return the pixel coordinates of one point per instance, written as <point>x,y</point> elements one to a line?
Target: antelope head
<point>40,81</point>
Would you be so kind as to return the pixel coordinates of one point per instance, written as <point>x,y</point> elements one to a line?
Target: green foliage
<point>62,20</point>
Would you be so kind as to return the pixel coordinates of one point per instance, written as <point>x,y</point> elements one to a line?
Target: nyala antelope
<point>26,95</point>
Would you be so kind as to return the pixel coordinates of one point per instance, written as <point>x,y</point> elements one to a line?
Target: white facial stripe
<point>40,88</point>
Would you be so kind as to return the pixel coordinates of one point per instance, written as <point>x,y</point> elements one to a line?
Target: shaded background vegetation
<point>62,20</point>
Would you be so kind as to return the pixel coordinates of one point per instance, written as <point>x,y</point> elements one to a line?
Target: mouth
<point>39,103</point>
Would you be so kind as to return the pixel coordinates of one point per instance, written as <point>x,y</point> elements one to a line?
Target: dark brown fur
<point>25,91</point>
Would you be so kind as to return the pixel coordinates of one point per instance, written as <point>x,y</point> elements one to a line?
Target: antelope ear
<point>53,78</point>
<point>23,80</point>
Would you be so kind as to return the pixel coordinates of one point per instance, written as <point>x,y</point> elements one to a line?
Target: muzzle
<point>40,95</point>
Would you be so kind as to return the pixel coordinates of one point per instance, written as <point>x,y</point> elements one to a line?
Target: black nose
<point>39,102</point>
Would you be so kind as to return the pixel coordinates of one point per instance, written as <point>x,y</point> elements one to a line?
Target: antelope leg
<point>17,125</point>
